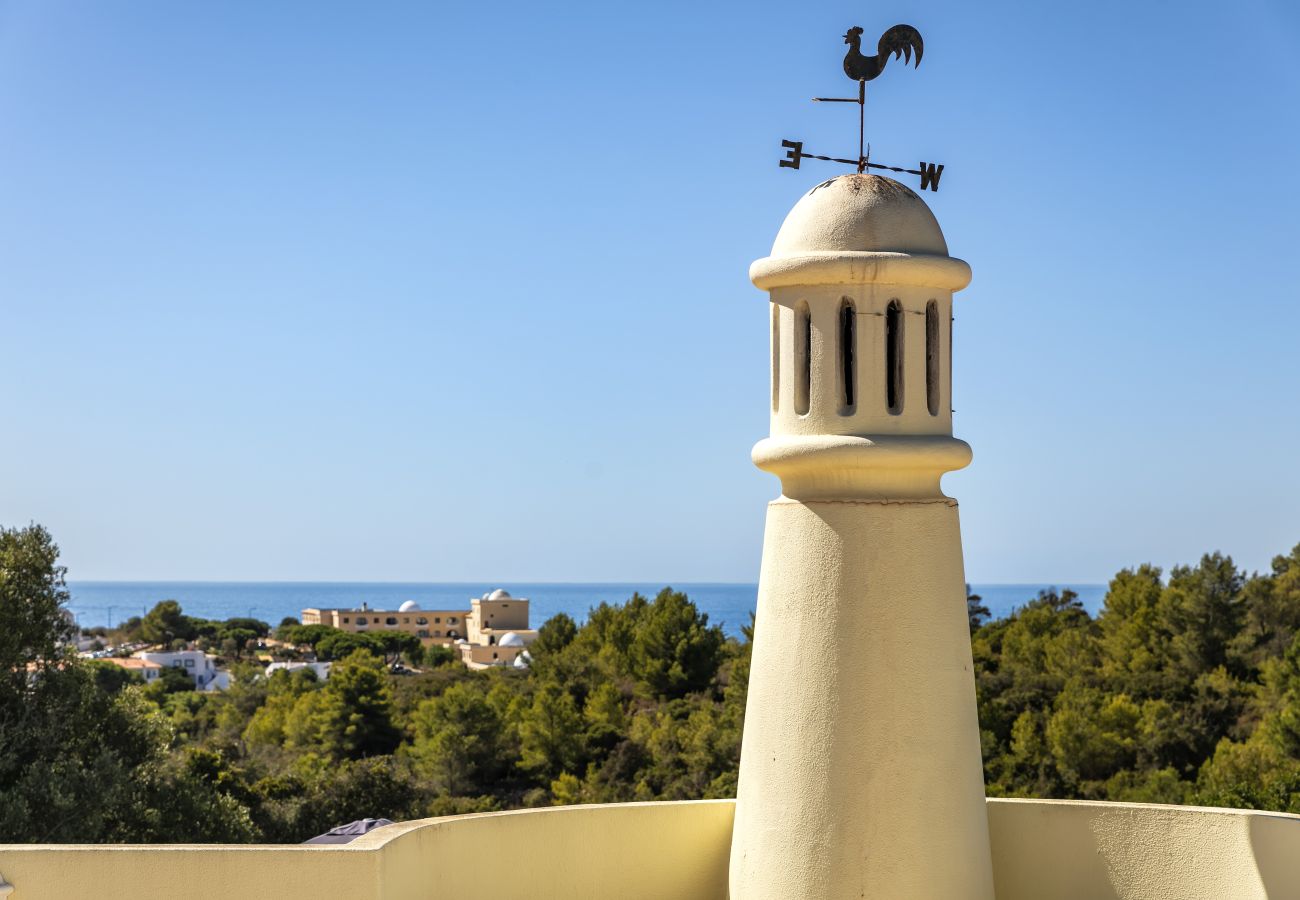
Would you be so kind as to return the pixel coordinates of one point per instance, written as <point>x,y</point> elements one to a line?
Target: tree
<point>673,650</point>
<point>243,623</point>
<point>976,611</point>
<point>393,645</point>
<point>436,655</point>
<point>459,740</point>
<point>171,680</point>
<point>165,623</point>
<point>33,621</point>
<point>338,793</point>
<point>556,633</point>
<point>1272,613</point>
<point>342,644</point>
<point>1204,612</point>
<point>235,641</point>
<point>550,732</point>
<point>309,635</point>
<point>354,717</point>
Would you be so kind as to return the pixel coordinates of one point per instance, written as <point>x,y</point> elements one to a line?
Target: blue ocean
<point>109,602</point>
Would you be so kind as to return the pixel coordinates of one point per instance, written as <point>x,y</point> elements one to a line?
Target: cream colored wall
<point>483,655</point>
<point>501,616</point>
<point>1070,850</point>
<point>1042,850</point>
<point>377,620</point>
<point>635,851</point>
<point>632,851</point>
<point>194,872</point>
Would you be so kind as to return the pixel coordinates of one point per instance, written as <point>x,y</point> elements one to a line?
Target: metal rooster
<point>901,40</point>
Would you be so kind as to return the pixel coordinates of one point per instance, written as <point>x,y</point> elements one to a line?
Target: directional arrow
<point>930,173</point>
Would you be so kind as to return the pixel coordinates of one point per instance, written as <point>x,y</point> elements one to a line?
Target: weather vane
<point>899,41</point>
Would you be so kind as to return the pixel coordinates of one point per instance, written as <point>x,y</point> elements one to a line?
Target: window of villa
<point>391,620</point>
<point>451,620</point>
<point>848,341</point>
<point>894,357</point>
<point>421,620</point>
<point>362,620</point>
<point>345,620</point>
<point>932,357</point>
<point>189,663</point>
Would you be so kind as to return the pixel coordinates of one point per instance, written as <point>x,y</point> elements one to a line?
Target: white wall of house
<point>201,667</point>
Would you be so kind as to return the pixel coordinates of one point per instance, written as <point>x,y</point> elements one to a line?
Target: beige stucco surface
<point>860,771</point>
<point>1070,850</point>
<point>1042,850</point>
<point>635,851</point>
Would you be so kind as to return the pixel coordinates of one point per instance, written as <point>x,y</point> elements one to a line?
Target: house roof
<point>130,663</point>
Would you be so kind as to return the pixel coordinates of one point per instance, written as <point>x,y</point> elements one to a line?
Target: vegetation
<point>1182,690</point>
<point>1179,691</point>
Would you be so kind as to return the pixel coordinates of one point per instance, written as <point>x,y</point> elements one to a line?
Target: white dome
<point>860,213</point>
<point>408,606</point>
<point>521,661</point>
<point>500,594</point>
<point>510,639</point>
<point>461,641</point>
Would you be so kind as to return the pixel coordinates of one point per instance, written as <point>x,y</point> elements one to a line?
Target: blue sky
<point>424,291</point>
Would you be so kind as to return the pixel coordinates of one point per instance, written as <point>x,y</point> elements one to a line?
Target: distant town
<point>493,631</point>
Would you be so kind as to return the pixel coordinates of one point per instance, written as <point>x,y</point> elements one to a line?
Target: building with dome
<point>477,634</point>
<point>498,630</point>
<point>431,626</point>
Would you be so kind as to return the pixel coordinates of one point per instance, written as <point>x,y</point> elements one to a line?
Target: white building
<point>322,669</point>
<point>195,663</point>
<point>149,671</point>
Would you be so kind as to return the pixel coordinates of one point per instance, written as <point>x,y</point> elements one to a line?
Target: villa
<point>494,630</point>
<point>199,666</point>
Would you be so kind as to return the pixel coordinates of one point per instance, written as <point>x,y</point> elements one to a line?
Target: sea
<point>729,605</point>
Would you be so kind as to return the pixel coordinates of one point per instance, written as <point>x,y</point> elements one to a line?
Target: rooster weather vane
<point>901,41</point>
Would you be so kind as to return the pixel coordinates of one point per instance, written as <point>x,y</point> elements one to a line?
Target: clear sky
<point>457,291</point>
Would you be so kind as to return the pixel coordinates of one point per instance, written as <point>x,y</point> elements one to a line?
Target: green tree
<point>976,611</point>
<point>33,621</point>
<point>342,644</point>
<point>305,635</point>
<point>673,650</point>
<point>1272,613</point>
<point>393,645</point>
<point>165,623</point>
<point>353,718</point>
<point>550,732</point>
<point>556,633</point>
<point>436,655</point>
<point>1204,609</point>
<point>459,740</point>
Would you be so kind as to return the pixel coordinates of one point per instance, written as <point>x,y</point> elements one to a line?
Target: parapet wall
<point>1042,850</point>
